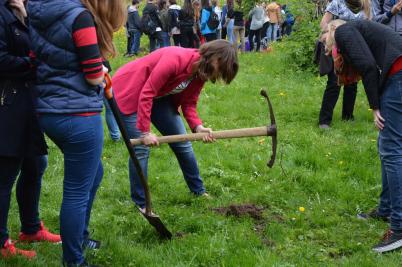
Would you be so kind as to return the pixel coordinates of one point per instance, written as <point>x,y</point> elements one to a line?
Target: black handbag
<point>324,62</point>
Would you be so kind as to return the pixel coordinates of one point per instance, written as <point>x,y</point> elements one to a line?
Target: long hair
<point>197,9</point>
<point>230,4</point>
<point>330,41</point>
<point>188,8</point>
<point>109,17</point>
<point>162,5</point>
<point>218,61</point>
<point>358,5</point>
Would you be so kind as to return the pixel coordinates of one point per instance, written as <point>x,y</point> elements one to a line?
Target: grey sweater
<point>257,18</point>
<point>385,16</point>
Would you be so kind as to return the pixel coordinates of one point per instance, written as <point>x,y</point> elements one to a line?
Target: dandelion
<point>340,162</point>
<point>301,209</point>
<point>282,94</point>
<point>261,141</point>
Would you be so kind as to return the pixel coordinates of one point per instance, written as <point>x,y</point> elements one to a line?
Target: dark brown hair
<point>109,17</point>
<point>218,61</point>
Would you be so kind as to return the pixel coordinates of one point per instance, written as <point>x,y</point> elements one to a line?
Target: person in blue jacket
<point>70,50</point>
<point>209,34</point>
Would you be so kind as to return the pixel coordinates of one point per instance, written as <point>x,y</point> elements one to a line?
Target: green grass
<point>333,174</point>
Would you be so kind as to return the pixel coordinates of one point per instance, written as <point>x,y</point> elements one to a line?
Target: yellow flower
<point>261,141</point>
<point>282,94</point>
<point>340,162</point>
<point>301,209</point>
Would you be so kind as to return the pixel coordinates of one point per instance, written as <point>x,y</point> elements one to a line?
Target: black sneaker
<point>390,241</point>
<point>91,244</point>
<point>373,214</point>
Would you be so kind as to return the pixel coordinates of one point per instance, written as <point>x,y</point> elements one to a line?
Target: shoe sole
<point>390,247</point>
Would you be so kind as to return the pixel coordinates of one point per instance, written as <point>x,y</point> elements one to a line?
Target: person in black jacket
<point>134,29</point>
<point>22,147</point>
<point>155,38</point>
<point>375,52</point>
<point>186,22</point>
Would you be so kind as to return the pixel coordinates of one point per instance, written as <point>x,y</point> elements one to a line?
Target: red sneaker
<point>9,251</point>
<point>42,235</point>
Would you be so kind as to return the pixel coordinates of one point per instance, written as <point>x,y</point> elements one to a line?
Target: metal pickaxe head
<point>271,129</point>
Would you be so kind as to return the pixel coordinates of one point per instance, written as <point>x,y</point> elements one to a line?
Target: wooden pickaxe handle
<point>226,134</point>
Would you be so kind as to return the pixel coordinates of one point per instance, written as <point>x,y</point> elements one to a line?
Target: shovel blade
<point>156,222</point>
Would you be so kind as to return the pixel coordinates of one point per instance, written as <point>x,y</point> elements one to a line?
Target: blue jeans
<point>229,31</point>
<point>390,150</point>
<point>28,192</point>
<point>168,122</point>
<point>166,39</point>
<point>272,32</point>
<point>80,139</point>
<point>111,122</point>
<point>135,44</point>
<point>155,41</point>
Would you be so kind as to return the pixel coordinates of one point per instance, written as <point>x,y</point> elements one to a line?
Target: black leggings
<point>331,96</point>
<point>28,191</point>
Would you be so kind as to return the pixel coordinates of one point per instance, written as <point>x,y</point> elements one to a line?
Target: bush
<point>298,48</point>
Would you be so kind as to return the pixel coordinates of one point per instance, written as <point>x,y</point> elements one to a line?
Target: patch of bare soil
<point>255,212</point>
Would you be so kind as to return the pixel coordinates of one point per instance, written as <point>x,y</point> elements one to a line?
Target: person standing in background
<point>186,22</point>
<point>150,14</point>
<point>238,29</point>
<point>346,10</point>
<point>218,11</point>
<point>208,33</point>
<point>174,28</point>
<point>133,27</point>
<point>197,27</point>
<point>223,21</point>
<point>257,21</point>
<point>163,14</point>
<point>275,18</point>
<point>229,22</point>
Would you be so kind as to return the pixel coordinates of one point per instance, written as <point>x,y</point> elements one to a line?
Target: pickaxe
<point>269,130</point>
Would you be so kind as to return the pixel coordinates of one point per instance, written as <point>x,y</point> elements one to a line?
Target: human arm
<point>86,43</point>
<point>325,20</point>
<point>11,66</point>
<point>385,14</point>
<point>163,71</point>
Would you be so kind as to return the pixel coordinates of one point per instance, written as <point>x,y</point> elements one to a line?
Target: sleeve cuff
<point>389,14</point>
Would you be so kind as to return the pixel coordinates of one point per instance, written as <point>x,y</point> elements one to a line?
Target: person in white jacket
<point>218,11</point>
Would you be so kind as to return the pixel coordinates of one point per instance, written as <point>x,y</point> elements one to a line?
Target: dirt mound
<point>251,210</point>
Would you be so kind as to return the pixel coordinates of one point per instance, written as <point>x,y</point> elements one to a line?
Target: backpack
<point>213,20</point>
<point>148,26</point>
<point>290,19</point>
